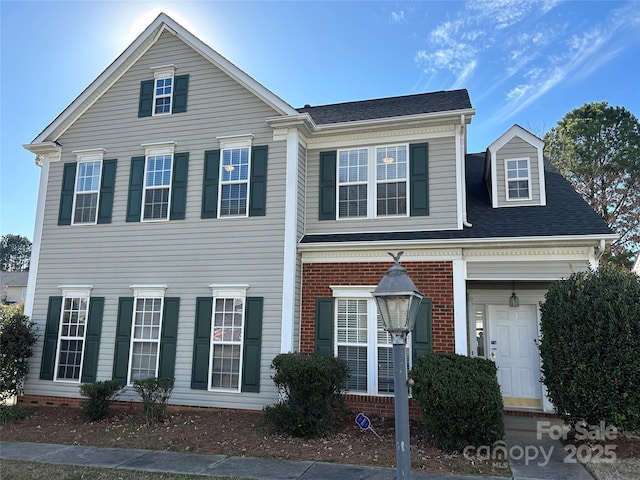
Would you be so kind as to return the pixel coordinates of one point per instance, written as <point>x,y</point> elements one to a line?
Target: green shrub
<point>11,413</point>
<point>460,400</point>
<point>155,393</point>
<point>311,393</point>
<point>17,337</point>
<point>100,395</point>
<point>590,348</point>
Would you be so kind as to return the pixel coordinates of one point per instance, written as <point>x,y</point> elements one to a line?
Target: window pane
<point>519,189</point>
<point>352,201</point>
<point>88,179</point>
<point>392,198</point>
<point>391,163</point>
<point>70,359</point>
<point>86,208</point>
<point>225,369</point>
<point>353,166</point>
<point>235,164</point>
<point>233,199</point>
<point>143,360</point>
<point>356,358</point>
<point>156,203</point>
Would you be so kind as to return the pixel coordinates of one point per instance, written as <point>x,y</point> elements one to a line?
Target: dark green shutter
<point>327,186</point>
<point>179,186</point>
<point>324,327</point>
<point>252,345</point>
<point>168,341</point>
<point>201,344</point>
<point>136,186</point>
<point>92,339</point>
<point>66,195</point>
<point>210,184</point>
<point>180,89</point>
<point>107,189</point>
<point>123,339</point>
<point>258,181</point>
<point>422,330</point>
<point>50,338</point>
<point>145,107</point>
<point>419,179</point>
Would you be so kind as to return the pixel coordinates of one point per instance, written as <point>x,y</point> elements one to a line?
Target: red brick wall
<point>433,279</point>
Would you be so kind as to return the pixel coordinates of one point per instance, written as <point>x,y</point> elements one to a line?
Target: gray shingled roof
<point>566,213</point>
<point>432,102</point>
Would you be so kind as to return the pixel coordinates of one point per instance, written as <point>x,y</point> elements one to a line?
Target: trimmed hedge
<point>311,393</point>
<point>590,348</point>
<point>99,396</point>
<point>460,400</point>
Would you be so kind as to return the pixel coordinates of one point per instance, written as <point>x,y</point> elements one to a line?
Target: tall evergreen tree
<point>596,147</point>
<point>15,253</point>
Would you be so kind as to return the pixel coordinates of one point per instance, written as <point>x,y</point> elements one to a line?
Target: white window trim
<point>372,182</point>
<point>89,155</point>
<point>153,149</point>
<point>507,179</point>
<point>229,143</point>
<point>162,72</point>
<point>365,292</point>
<point>72,291</point>
<point>145,291</point>
<point>227,291</point>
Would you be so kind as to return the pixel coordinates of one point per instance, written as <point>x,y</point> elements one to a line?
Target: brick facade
<point>433,279</point>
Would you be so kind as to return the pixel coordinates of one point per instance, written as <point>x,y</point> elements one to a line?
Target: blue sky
<point>523,61</point>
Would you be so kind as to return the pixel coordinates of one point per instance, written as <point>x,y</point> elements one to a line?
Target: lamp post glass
<point>398,301</point>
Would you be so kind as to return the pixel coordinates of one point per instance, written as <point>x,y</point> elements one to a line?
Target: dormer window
<point>518,179</point>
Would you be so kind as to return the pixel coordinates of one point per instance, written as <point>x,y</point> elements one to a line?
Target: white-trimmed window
<point>157,182</point>
<point>373,181</point>
<point>163,85</point>
<point>72,333</point>
<point>235,168</point>
<point>87,186</point>
<point>363,343</point>
<point>146,332</point>
<point>517,179</point>
<point>227,333</point>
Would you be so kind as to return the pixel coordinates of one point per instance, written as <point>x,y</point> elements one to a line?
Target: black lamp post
<point>398,301</point>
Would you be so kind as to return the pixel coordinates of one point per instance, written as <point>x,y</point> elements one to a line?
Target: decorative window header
<point>351,291</point>
<point>76,290</point>
<point>235,141</point>
<point>148,290</point>
<point>238,291</point>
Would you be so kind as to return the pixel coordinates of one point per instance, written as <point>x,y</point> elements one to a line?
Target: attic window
<point>163,90</point>
<point>518,179</point>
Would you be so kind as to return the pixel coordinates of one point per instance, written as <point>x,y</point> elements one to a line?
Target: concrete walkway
<point>530,458</point>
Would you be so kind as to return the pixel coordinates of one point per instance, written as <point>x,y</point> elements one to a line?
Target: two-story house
<point>191,224</point>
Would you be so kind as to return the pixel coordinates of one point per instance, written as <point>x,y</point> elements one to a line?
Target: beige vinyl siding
<point>517,148</point>
<point>443,197</point>
<point>186,255</point>
<point>524,270</point>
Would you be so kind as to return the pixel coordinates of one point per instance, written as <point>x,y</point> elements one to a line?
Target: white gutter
<point>347,245</point>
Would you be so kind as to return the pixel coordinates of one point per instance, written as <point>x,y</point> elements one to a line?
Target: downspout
<point>463,149</point>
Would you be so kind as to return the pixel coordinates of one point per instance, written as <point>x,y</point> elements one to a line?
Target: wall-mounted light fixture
<point>514,301</point>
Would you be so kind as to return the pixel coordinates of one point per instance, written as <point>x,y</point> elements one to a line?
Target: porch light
<point>514,301</point>
<point>398,301</point>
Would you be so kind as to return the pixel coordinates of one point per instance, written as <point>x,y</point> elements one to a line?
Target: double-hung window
<point>157,183</point>
<point>372,181</point>
<point>517,179</point>
<point>363,343</point>
<point>72,334</point>
<point>227,332</point>
<point>87,186</point>
<point>235,168</point>
<point>146,333</point>
<point>163,85</point>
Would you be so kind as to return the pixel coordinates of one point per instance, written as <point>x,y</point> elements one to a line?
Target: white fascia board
<point>516,131</point>
<point>498,241</point>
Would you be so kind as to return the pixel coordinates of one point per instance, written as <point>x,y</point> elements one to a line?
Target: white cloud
<point>397,17</point>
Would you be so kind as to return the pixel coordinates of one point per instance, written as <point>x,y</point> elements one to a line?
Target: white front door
<point>512,335</point>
